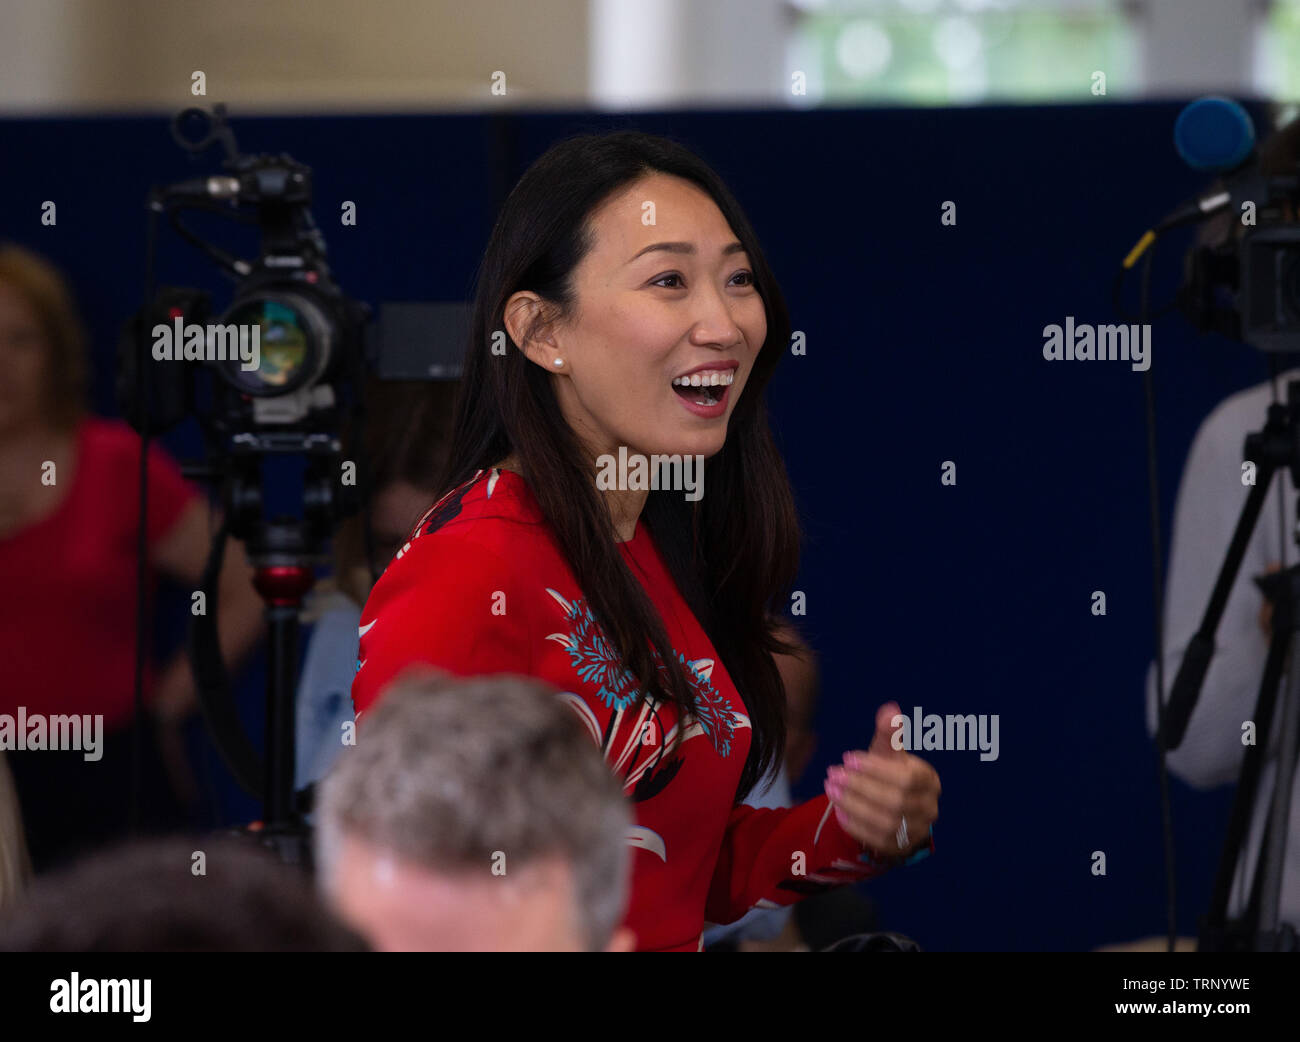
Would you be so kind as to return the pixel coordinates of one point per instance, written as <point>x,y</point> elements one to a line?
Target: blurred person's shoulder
<point>107,451</point>
<point>1246,410</point>
<point>115,439</point>
<point>115,445</point>
<point>108,469</point>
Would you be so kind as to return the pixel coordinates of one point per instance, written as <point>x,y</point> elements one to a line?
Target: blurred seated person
<point>15,866</point>
<point>69,495</point>
<point>407,426</point>
<point>179,894</point>
<point>475,815</point>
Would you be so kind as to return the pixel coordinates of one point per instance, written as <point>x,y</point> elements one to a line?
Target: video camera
<point>1246,285</point>
<point>274,377</point>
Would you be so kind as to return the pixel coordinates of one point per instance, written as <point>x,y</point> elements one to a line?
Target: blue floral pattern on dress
<point>597,663</point>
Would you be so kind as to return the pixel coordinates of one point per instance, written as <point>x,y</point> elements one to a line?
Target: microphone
<point>1213,135</point>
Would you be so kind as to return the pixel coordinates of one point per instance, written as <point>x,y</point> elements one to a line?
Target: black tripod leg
<point>1212,932</point>
<point>1280,811</point>
<point>1200,649</point>
<point>281,682</point>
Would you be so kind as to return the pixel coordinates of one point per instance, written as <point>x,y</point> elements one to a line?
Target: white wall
<point>285,55</point>
<point>1198,46</point>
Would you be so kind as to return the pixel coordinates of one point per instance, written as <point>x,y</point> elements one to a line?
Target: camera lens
<point>293,340</point>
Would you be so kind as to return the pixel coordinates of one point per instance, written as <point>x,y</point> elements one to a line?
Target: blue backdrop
<point>924,344</point>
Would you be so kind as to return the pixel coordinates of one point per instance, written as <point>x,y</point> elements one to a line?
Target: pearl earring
<point>559,361</point>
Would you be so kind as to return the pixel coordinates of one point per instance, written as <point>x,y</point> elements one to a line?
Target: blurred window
<point>943,52</point>
<point>1277,53</point>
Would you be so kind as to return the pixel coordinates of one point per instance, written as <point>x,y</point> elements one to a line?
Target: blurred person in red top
<point>69,495</point>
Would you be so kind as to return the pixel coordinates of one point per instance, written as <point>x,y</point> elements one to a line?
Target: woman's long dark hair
<point>734,552</point>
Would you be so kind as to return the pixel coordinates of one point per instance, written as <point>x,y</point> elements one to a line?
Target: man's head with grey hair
<point>475,814</point>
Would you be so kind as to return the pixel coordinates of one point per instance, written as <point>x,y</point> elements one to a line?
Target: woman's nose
<point>715,324</point>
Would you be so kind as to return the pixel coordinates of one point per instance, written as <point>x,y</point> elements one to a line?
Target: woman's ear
<point>526,322</point>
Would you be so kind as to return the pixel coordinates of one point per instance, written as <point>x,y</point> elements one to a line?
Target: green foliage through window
<point>944,51</point>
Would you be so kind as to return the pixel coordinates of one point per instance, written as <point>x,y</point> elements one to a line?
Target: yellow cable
<point>1142,245</point>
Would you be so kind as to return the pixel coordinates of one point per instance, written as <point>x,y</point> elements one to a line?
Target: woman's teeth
<point>712,378</point>
<point>713,382</point>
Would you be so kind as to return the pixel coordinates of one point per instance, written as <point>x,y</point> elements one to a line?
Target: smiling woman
<point>643,320</point>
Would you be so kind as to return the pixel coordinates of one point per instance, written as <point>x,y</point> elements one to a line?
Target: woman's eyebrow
<point>683,247</point>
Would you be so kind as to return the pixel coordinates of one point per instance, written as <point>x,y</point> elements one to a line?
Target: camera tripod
<point>1273,450</point>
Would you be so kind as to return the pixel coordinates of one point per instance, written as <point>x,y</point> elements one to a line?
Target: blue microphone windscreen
<point>1214,134</point>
